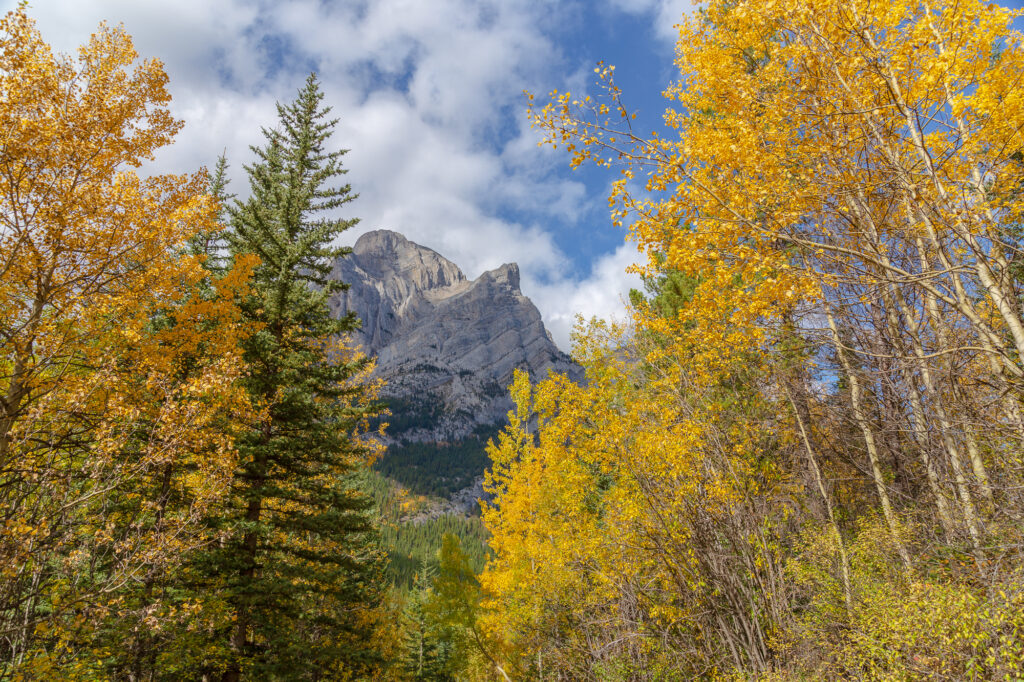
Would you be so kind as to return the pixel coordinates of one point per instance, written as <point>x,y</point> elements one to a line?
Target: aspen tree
<point>118,380</point>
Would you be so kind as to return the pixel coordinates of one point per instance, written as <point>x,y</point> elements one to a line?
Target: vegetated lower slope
<point>438,468</point>
<point>412,527</point>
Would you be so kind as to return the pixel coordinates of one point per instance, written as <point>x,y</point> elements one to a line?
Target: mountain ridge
<point>446,346</point>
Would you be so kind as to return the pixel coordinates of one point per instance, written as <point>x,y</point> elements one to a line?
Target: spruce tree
<point>212,244</point>
<point>425,651</point>
<point>298,563</point>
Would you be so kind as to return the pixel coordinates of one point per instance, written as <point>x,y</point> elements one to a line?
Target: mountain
<point>447,347</point>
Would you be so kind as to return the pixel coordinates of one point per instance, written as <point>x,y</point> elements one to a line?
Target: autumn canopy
<point>800,457</point>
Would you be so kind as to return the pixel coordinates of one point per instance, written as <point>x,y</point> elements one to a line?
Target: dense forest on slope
<point>412,533</point>
<point>428,467</point>
<point>798,458</point>
<point>435,468</point>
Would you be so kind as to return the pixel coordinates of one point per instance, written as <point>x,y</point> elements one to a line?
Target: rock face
<point>447,346</point>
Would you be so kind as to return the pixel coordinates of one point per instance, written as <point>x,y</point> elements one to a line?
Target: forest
<point>411,532</point>
<point>429,468</point>
<point>798,458</point>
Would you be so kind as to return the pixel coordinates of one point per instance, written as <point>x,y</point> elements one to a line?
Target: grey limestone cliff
<point>447,346</point>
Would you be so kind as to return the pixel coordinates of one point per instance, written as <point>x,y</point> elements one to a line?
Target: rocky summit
<point>447,346</point>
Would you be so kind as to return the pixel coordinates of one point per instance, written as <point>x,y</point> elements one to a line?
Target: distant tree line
<point>438,469</point>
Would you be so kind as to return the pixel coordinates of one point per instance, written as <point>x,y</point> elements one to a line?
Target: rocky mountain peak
<point>389,256</point>
<point>445,343</point>
<point>507,275</point>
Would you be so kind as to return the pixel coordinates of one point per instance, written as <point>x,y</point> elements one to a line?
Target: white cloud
<point>429,97</point>
<point>665,14</point>
<point>602,294</point>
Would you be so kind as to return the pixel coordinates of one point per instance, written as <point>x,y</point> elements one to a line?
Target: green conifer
<point>298,562</point>
<point>426,653</point>
<point>213,245</point>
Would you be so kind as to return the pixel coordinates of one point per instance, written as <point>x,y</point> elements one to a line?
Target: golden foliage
<point>120,352</point>
<point>749,482</point>
<point>610,495</point>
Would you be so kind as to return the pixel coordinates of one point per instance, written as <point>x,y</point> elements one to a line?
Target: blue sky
<point>429,93</point>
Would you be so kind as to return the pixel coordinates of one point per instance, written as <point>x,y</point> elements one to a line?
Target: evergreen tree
<point>212,244</point>
<point>298,565</point>
<point>666,292</point>
<point>426,652</point>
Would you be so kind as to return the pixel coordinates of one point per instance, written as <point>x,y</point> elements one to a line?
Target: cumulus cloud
<point>429,97</point>
<point>665,14</point>
<point>602,294</point>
